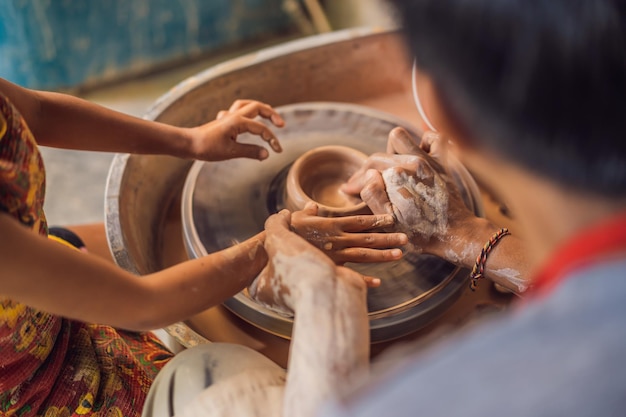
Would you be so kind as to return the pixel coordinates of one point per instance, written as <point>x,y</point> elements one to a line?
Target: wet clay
<point>328,192</point>
<point>317,176</point>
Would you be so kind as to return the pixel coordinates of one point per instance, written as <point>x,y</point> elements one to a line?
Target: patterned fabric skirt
<point>54,367</point>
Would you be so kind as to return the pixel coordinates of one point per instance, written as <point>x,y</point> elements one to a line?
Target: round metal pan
<point>226,202</point>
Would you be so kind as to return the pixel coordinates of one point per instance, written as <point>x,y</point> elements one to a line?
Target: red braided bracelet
<point>479,267</point>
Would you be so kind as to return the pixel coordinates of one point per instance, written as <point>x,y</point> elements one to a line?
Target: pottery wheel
<point>227,202</point>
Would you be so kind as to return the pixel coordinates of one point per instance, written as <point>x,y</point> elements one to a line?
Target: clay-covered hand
<point>416,189</point>
<point>350,239</point>
<point>217,140</point>
<point>295,267</point>
<point>403,150</point>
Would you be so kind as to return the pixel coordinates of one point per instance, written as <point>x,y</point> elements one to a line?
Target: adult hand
<point>295,264</point>
<point>404,151</point>
<point>414,186</point>
<point>217,140</point>
<point>349,239</point>
<point>415,189</point>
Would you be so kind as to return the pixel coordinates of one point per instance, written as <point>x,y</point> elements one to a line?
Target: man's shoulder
<point>562,355</point>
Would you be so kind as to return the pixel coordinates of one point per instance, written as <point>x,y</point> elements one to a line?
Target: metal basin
<point>143,195</point>
<point>227,202</point>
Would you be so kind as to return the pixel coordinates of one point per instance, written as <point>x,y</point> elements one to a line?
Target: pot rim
<point>338,151</point>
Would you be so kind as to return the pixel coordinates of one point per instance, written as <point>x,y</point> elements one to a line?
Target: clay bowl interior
<point>317,176</point>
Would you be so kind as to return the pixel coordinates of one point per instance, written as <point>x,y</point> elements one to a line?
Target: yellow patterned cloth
<point>51,366</point>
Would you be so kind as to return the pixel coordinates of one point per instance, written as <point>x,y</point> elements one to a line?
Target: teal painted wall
<point>55,44</point>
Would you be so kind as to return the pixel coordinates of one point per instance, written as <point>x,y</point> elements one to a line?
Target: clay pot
<point>317,176</point>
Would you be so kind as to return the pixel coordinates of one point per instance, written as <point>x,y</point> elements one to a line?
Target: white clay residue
<point>252,253</point>
<point>329,194</point>
<point>469,252</point>
<point>513,276</point>
<point>505,274</point>
<point>330,345</point>
<point>421,209</point>
<point>304,266</point>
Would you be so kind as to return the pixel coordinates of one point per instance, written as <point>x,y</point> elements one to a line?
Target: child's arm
<point>53,278</point>
<point>65,121</point>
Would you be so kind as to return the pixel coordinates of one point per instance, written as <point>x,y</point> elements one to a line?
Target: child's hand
<point>350,239</point>
<point>217,140</point>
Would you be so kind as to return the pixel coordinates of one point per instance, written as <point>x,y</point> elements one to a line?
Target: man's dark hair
<point>542,82</point>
